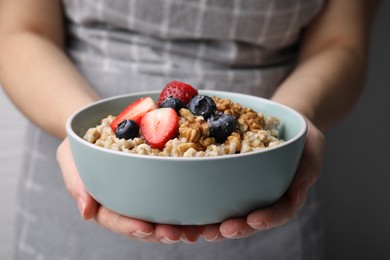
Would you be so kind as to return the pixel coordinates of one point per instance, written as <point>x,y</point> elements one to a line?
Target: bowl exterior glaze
<point>186,191</point>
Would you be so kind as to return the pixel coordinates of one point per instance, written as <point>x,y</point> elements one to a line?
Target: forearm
<point>331,68</point>
<point>41,80</point>
<point>326,86</point>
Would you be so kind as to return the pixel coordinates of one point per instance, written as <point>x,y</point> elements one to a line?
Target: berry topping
<point>174,103</point>
<point>221,126</point>
<point>202,105</point>
<point>159,125</point>
<point>134,111</point>
<point>179,90</point>
<point>127,129</point>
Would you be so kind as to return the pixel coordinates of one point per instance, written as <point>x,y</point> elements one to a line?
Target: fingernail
<point>81,205</point>
<point>214,239</point>
<point>140,234</point>
<point>302,189</point>
<point>168,241</point>
<point>236,234</point>
<point>258,225</point>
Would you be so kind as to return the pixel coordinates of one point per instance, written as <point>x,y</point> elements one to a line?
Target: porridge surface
<point>254,131</point>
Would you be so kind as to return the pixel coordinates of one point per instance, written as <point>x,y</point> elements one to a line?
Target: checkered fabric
<point>239,44</point>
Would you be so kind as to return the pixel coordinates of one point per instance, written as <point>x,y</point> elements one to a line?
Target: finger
<point>68,169</point>
<point>278,214</point>
<point>312,154</point>
<point>119,224</point>
<point>309,169</point>
<point>86,204</point>
<point>236,228</point>
<point>167,234</point>
<point>211,233</point>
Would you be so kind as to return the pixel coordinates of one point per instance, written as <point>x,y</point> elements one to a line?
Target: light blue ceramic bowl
<point>186,191</point>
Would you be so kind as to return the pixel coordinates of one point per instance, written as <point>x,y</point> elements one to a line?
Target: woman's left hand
<point>284,209</point>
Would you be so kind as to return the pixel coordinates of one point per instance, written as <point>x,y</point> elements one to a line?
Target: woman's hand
<point>282,211</point>
<point>132,228</point>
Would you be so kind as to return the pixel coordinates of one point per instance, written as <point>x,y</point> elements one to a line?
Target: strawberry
<point>159,126</point>
<point>134,111</point>
<point>178,90</point>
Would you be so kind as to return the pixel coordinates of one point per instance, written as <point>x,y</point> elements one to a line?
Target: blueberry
<point>127,129</point>
<point>202,105</point>
<point>221,126</point>
<point>174,103</point>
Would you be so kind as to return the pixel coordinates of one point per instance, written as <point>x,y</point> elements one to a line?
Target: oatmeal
<point>252,131</point>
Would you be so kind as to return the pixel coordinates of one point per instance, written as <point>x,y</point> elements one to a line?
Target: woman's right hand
<point>90,209</point>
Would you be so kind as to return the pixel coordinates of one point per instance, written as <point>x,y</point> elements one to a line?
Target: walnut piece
<point>193,128</point>
<point>247,118</point>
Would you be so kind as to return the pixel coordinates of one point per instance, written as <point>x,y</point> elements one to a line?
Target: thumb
<point>86,203</point>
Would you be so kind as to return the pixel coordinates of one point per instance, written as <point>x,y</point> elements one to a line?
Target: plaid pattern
<point>123,46</point>
<point>261,22</point>
<point>214,43</point>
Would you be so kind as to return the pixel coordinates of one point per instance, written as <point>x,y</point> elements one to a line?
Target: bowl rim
<point>71,132</point>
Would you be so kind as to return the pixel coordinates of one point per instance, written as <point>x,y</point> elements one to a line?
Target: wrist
<point>298,105</point>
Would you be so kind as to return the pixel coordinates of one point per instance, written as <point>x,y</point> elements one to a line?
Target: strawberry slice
<point>134,111</point>
<point>159,126</point>
<point>179,90</point>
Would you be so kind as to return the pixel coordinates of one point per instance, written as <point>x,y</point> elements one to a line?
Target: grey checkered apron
<point>124,46</point>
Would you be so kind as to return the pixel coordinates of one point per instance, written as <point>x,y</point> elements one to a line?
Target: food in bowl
<point>186,190</point>
<point>184,123</point>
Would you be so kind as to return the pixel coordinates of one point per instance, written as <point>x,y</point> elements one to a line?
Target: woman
<point>59,56</point>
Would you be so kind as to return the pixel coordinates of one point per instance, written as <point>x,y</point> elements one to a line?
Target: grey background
<point>357,164</point>
<point>356,175</point>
